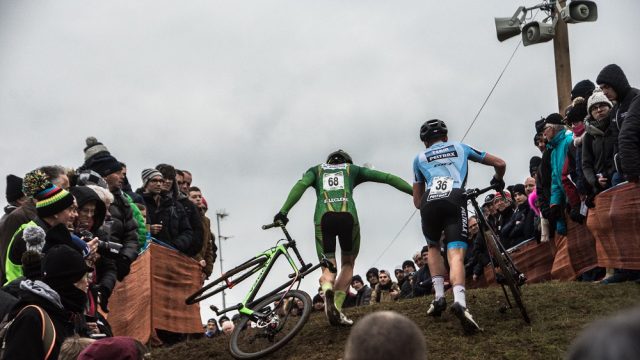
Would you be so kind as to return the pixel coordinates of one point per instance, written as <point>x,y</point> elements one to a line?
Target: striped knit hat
<point>50,199</point>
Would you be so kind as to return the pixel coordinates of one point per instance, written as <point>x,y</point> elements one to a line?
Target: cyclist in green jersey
<point>336,216</point>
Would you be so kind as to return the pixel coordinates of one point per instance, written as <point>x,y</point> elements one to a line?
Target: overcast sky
<point>247,95</point>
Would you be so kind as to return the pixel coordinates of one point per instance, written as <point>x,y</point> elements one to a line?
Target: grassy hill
<point>559,311</point>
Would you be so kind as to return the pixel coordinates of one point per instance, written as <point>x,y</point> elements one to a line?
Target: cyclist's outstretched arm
<point>298,189</point>
<point>498,164</point>
<point>382,177</point>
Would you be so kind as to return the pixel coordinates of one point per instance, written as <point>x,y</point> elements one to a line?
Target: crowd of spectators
<point>68,236</point>
<point>594,146</point>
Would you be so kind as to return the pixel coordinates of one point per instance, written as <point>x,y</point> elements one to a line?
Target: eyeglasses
<point>597,107</point>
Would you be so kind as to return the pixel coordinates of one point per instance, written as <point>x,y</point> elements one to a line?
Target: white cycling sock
<point>438,286</point>
<point>458,295</point>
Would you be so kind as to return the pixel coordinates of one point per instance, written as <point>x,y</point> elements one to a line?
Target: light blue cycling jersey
<point>445,161</point>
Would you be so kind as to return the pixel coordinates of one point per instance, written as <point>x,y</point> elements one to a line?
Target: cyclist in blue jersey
<point>438,191</point>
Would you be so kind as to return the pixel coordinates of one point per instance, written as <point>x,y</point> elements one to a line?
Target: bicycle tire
<point>509,273</point>
<point>251,342</point>
<point>253,264</point>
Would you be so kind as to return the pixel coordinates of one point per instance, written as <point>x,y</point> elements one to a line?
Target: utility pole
<point>221,214</point>
<point>563,61</point>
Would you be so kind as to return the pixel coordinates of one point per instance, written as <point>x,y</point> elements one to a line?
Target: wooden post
<point>563,62</point>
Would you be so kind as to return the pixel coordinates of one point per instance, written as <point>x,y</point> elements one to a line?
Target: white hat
<point>597,97</point>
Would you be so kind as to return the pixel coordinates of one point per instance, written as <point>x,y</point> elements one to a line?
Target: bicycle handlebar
<point>477,192</point>
<point>272,225</point>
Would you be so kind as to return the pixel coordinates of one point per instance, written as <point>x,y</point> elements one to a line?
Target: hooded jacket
<point>613,76</point>
<point>23,337</point>
<point>629,140</point>
<point>559,145</point>
<point>106,268</point>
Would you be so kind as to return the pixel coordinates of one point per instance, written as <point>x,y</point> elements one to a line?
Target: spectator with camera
<point>88,226</point>
<point>122,227</point>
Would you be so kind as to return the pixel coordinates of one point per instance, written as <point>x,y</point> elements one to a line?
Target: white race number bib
<point>440,187</point>
<point>333,181</point>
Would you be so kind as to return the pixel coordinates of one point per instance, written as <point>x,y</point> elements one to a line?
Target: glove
<point>103,298</point>
<point>124,266</point>
<point>499,183</point>
<point>576,216</point>
<point>281,217</point>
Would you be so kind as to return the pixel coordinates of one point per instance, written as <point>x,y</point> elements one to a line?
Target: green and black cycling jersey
<point>334,186</point>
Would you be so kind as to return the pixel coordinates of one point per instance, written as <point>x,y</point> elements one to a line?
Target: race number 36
<point>333,181</point>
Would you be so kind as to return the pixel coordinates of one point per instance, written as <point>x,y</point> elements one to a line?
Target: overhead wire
<point>465,135</point>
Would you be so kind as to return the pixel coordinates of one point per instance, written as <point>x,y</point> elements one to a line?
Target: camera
<point>105,248</point>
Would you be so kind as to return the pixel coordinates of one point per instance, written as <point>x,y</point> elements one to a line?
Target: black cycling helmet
<point>339,157</point>
<point>431,129</point>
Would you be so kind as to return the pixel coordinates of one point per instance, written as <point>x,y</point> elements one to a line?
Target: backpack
<point>48,331</point>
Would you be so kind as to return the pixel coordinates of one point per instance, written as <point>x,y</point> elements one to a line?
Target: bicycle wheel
<point>509,273</point>
<point>284,319</point>
<point>245,270</point>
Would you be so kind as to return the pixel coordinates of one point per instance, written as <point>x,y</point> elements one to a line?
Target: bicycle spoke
<point>283,320</point>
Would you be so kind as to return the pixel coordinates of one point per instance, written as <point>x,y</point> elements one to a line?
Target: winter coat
<point>195,222</point>
<point>176,230</point>
<point>520,227</point>
<point>209,250</point>
<point>406,289</point>
<point>597,152</point>
<point>382,294</point>
<point>559,145</point>
<point>629,140</point>
<point>123,229</point>
<point>8,227</point>
<point>106,267</point>
<point>422,282</point>
<point>363,297</point>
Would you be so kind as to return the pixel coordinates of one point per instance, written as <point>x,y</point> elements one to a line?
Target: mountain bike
<point>269,322</point>
<point>509,276</point>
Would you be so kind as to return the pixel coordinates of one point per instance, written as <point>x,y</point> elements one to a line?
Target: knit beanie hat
<point>553,119</point>
<point>577,111</point>
<point>613,76</point>
<point>117,347</point>
<point>539,125</point>
<point>598,97</point>
<point>518,189</point>
<point>98,158</point>
<point>94,147</point>
<point>90,177</point>
<point>63,264</point>
<point>582,89</point>
<point>14,188</point>
<point>408,263</point>
<point>535,161</point>
<point>357,278</point>
<point>50,199</point>
<point>148,174</point>
<point>31,260</point>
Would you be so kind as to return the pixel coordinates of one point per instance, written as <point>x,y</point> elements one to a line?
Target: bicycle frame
<point>272,256</point>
